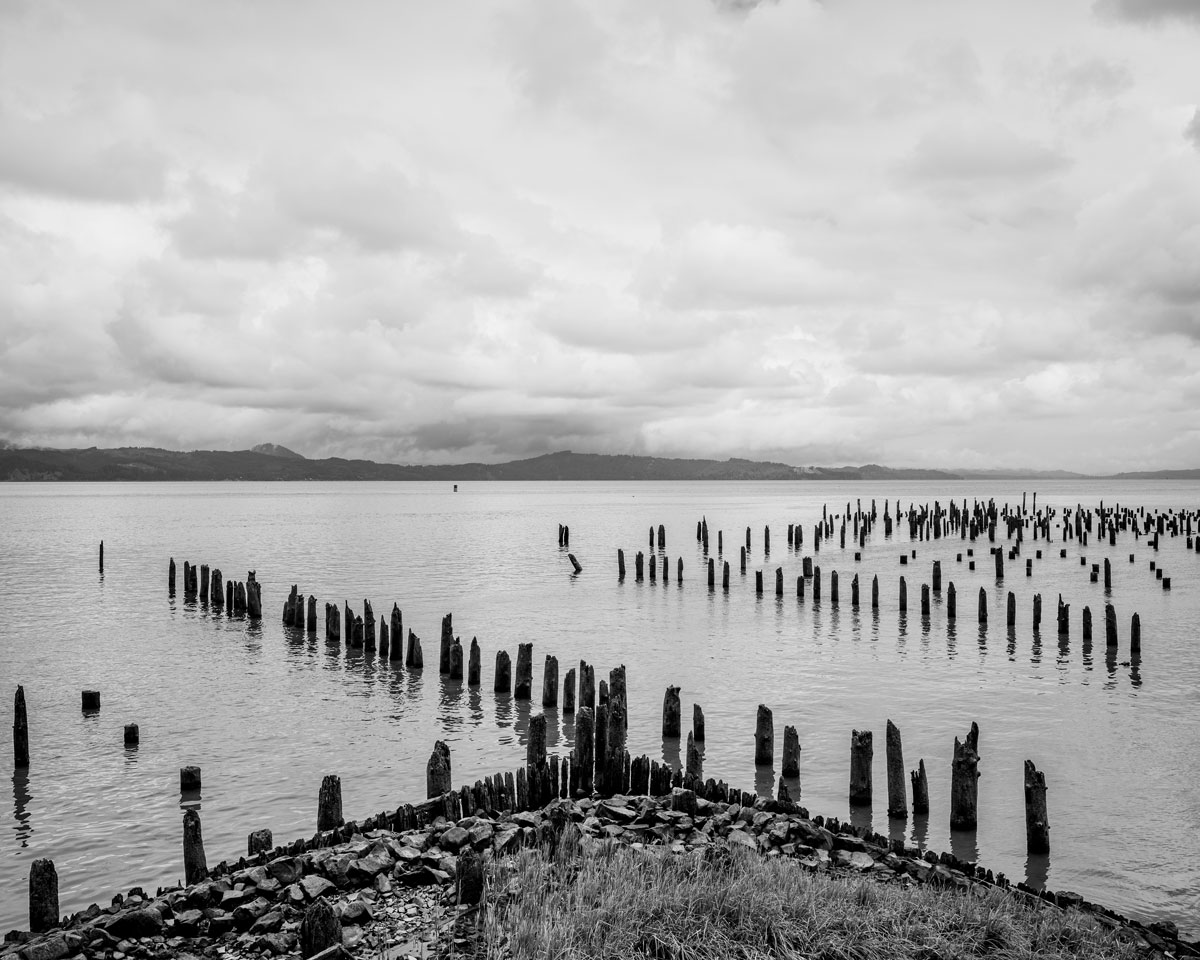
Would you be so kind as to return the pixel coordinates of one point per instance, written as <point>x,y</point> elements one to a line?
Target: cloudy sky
<point>932,232</point>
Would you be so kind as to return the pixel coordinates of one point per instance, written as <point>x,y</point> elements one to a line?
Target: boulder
<point>140,922</point>
<point>286,870</point>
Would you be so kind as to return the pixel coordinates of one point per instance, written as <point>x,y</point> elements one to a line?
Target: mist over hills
<point>269,461</point>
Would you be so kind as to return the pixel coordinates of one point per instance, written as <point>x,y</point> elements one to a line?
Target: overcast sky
<point>932,232</point>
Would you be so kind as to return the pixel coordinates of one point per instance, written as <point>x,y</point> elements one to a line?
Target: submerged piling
<point>861,753</point>
<point>1037,821</point>
<point>764,737</point>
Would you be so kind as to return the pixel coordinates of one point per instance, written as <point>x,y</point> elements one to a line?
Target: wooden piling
<point>473,664</point>
<point>712,575</point>
<point>758,584</point>
<point>924,599</point>
<point>1107,578</point>
<point>415,657</point>
<point>195,867</point>
<point>764,737</point>
<point>833,587</point>
<point>20,731</point>
<point>90,700</point>
<point>447,641</point>
<point>258,841</point>
<point>132,735</point>
<point>587,686</point>
<point>568,693</point>
<point>583,753</point>
<point>983,611</point>
<point>698,722</point>
<point>396,629</point>
<point>550,682</point>
<point>171,578</point>
<point>670,717</point>
<point>456,660</point>
<point>937,576</point>
<point>951,602</point>
<point>897,798</point>
<point>920,790</point>
<point>903,595</point>
<point>639,564</point>
<point>791,753</point>
<point>437,771</point>
<point>1037,821</point>
<point>43,896</point>
<point>535,743</point>
<point>862,752</point>
<point>523,684</point>
<point>329,804</point>
<point>503,682</point>
<point>694,762</point>
<point>999,555</point>
<point>579,568</point>
<point>620,564</point>
<point>875,592</point>
<point>724,575</point>
<point>1110,626</point>
<point>189,779</point>
<point>1011,610</point>
<point>1135,634</point>
<point>779,581</point>
<point>964,782</point>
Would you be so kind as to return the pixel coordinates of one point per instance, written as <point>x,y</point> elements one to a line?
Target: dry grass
<point>624,903</point>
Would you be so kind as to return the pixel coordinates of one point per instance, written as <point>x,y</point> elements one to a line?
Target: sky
<point>943,233</point>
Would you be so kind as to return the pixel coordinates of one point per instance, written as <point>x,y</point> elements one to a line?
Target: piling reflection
<point>1135,672</point>
<point>1011,649</point>
<point>189,800</point>
<point>670,752</point>
<point>897,830</point>
<point>964,844</point>
<point>764,781</point>
<point>449,703</point>
<point>862,818</point>
<point>504,710</point>
<point>1035,651</point>
<point>920,830</point>
<point>983,634</point>
<point>23,823</point>
<point>1037,870</point>
<point>951,640</point>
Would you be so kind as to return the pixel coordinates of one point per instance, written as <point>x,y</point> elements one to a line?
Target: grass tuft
<point>624,902</point>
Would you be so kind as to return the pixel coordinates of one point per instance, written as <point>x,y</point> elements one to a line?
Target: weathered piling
<point>779,581</point>
<point>217,586</point>
<point>903,597</point>
<point>583,753</point>
<point>1107,582</point>
<point>1011,610</point>
<point>951,602</point>
<point>396,629</point>
<point>662,537</point>
<point>620,564</point>
<point>189,779</point>
<point>670,718</point>
<point>924,599</point>
<point>579,567</point>
<point>743,554</point>
<point>1087,625</point>
<point>587,686</point>
<point>456,660</point>
<point>999,555</point>
<point>1135,634</point>
<point>473,664</point>
<point>758,583</point>
<point>437,771</point>
<point>258,841</point>
<point>1110,626</point>
<point>791,753</point>
<point>639,563</point>
<point>132,735</point>
<point>204,592</point>
<point>415,657</point>
<point>920,789</point>
<point>698,722</point>
<point>764,737</point>
<point>550,682</point>
<point>90,700</point>
<point>171,578</point>
<point>618,727</point>
<point>897,798</point>
<point>447,640</point>
<point>329,803</point>
<point>862,752</point>
<point>712,575</point>
<point>568,692</point>
<point>195,867</point>
<point>694,763</point>
<point>503,682</point>
<point>983,611</point>
<point>1037,821</point>
<point>523,684</point>
<point>535,743</point>
<point>20,730</point>
<point>937,576</point>
<point>724,575</point>
<point>43,896</point>
<point>964,782</point>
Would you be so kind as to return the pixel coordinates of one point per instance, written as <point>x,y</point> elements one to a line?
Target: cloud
<point>979,152</point>
<point>1192,131</point>
<point>1149,11</point>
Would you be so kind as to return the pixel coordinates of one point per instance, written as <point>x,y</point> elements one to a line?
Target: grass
<point>625,903</point>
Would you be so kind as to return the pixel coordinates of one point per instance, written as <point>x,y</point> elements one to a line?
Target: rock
<point>277,943</point>
<point>454,839</point>
<point>232,899</point>
<point>351,936</point>
<point>364,870</point>
<point>269,922</point>
<point>140,922</point>
<point>526,819</point>
<point>740,838</point>
<point>245,915</point>
<point>314,886</point>
<point>286,870</point>
<point>855,859</point>
<point>220,922</point>
<point>356,912</point>
<point>49,949</point>
<point>319,930</point>
<point>187,922</point>
<point>270,887</point>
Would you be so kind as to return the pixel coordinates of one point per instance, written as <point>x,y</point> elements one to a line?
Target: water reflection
<point>1135,673</point>
<point>474,702</point>
<point>964,844</point>
<point>897,830</point>
<point>1037,870</point>
<point>1011,650</point>
<point>21,798</point>
<point>861,817</point>
<point>449,700</point>
<point>504,710</point>
<point>670,752</point>
<point>983,639</point>
<point>189,800</point>
<point>1035,653</point>
<point>951,640</point>
<point>920,831</point>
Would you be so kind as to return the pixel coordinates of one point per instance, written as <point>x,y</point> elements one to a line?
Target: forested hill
<point>269,462</point>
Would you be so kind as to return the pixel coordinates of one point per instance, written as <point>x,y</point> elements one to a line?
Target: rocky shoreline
<point>398,893</point>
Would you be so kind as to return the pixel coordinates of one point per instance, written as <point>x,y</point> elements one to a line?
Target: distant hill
<point>275,450</point>
<point>272,462</point>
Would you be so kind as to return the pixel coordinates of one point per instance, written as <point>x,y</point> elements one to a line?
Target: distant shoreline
<point>141,464</point>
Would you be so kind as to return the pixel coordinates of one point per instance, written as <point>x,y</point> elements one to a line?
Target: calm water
<point>266,712</point>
